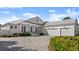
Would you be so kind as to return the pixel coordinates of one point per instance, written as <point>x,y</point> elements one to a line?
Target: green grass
<point>64,43</point>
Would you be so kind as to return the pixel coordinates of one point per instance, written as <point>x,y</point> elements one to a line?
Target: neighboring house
<point>33,25</point>
<point>68,27</point>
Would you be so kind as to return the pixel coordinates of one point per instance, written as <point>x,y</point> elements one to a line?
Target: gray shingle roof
<point>30,21</point>
<point>16,22</point>
<point>13,22</point>
<point>60,23</point>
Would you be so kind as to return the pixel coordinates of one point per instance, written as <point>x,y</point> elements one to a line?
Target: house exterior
<point>0,26</point>
<point>68,27</point>
<point>33,25</point>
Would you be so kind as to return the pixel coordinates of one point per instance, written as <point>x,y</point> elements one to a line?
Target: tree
<point>45,22</point>
<point>66,18</point>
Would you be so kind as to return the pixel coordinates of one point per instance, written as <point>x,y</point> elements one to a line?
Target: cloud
<point>68,10</point>
<point>29,15</point>
<point>6,20</point>
<point>15,18</point>
<point>53,11</point>
<point>6,12</point>
<point>54,16</point>
<point>14,7</point>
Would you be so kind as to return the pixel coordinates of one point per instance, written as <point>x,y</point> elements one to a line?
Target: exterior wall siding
<point>6,32</point>
<point>34,27</point>
<point>5,27</point>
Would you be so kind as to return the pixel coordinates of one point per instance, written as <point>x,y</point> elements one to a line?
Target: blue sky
<point>45,13</point>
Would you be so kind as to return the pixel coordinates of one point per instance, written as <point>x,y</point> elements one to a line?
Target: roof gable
<point>34,20</point>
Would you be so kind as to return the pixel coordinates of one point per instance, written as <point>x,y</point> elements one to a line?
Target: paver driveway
<point>39,43</point>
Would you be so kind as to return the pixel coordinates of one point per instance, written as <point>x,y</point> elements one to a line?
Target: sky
<point>50,14</point>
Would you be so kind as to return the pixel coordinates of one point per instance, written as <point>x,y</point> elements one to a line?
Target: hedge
<point>64,43</point>
<point>22,34</point>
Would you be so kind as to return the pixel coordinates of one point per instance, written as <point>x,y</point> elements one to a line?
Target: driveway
<point>30,43</point>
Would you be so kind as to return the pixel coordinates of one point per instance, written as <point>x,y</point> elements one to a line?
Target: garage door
<point>64,32</point>
<point>56,32</point>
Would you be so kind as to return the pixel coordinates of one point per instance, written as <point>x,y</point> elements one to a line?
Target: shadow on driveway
<point>11,46</point>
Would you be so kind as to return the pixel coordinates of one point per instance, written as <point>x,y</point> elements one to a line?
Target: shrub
<point>4,35</point>
<point>41,34</point>
<point>15,34</point>
<point>28,34</point>
<point>64,43</point>
<point>24,34</point>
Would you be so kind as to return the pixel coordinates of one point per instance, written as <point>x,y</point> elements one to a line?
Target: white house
<point>68,27</point>
<point>0,25</point>
<point>33,25</point>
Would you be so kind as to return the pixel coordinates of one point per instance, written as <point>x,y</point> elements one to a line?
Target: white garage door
<point>65,32</point>
<point>54,32</point>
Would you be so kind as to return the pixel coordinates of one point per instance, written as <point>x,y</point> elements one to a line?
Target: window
<point>54,28</point>
<point>36,30</point>
<point>31,29</point>
<point>66,28</point>
<point>49,28</point>
<point>11,27</point>
<point>15,27</point>
<point>23,29</point>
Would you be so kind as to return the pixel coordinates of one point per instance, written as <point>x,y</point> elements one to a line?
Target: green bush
<point>64,43</point>
<point>15,34</point>
<point>28,34</point>
<point>24,34</point>
<point>41,34</point>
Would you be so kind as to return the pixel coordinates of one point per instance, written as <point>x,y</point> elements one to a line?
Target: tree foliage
<point>66,18</point>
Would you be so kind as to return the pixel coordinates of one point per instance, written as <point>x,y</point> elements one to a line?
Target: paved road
<point>39,43</point>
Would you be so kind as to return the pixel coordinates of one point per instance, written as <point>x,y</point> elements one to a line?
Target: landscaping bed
<point>64,43</point>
